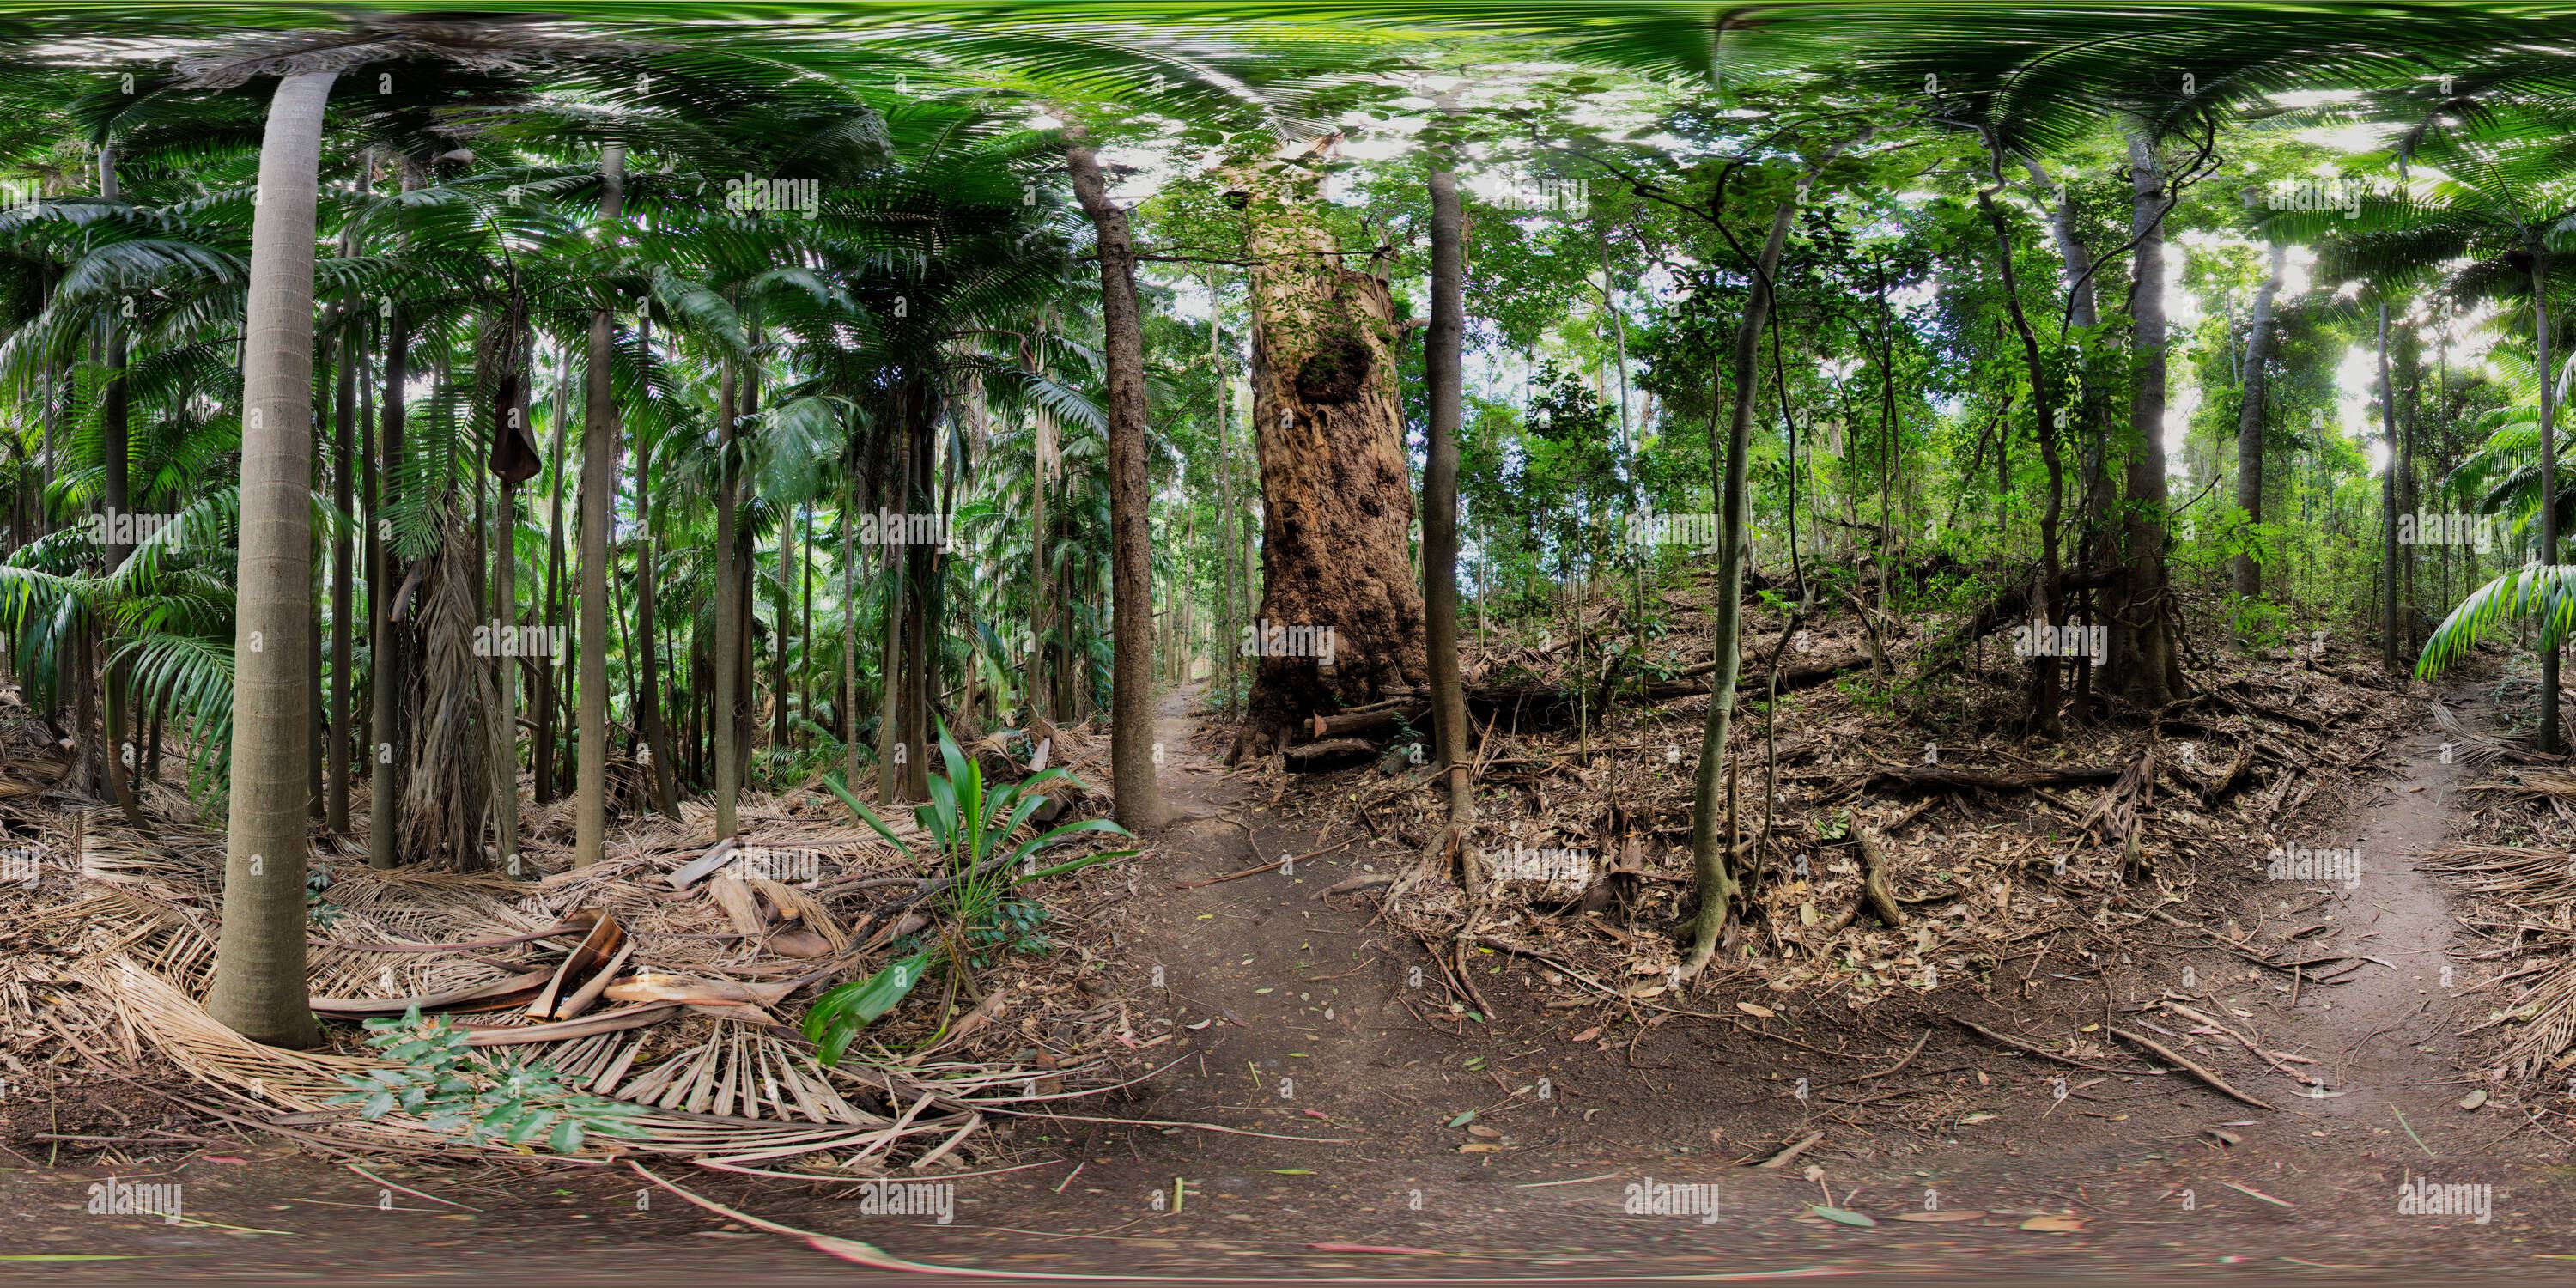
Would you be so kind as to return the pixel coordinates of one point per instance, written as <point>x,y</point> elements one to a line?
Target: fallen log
<point>1943,778</point>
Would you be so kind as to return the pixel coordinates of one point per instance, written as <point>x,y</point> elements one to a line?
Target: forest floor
<point>1346,1079</point>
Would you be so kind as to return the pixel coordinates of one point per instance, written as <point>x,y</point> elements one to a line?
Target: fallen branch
<point>2187,1066</point>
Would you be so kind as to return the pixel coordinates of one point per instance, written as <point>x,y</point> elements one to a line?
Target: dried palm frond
<point>2477,748</point>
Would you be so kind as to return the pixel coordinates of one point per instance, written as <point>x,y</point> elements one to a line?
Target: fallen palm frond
<point>2474,747</point>
<point>2540,888</point>
<point>605,978</point>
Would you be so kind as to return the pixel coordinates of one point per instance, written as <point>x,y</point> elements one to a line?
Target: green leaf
<point>837,1016</point>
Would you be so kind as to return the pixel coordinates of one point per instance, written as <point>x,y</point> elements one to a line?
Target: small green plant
<point>976,869</point>
<point>316,880</point>
<point>438,1078</point>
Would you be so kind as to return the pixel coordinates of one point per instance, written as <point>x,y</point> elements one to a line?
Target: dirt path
<point>1301,1025</point>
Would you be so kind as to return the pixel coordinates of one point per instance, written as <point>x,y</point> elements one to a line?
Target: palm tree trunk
<point>343,557</point>
<point>259,988</point>
<point>783,620</point>
<point>598,495</point>
<point>1444,363</point>
<point>388,657</point>
<point>729,626</point>
<point>121,758</point>
<point>648,701</point>
<point>2551,741</point>
<point>543,754</point>
<point>1138,796</point>
<point>2147,667</point>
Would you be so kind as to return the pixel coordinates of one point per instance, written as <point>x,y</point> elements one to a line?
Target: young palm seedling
<point>975,868</point>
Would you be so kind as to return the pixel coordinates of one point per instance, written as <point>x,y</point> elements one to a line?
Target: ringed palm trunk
<point>259,989</point>
<point>1131,710</point>
<point>598,495</point>
<point>1444,360</point>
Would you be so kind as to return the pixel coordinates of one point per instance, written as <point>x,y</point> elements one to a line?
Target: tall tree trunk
<point>1041,622</point>
<point>1444,367</point>
<point>2048,602</point>
<point>598,499</point>
<point>1712,852</point>
<point>259,987</point>
<point>2251,415</point>
<point>504,725</point>
<point>1337,500</point>
<point>343,555</point>
<point>114,404</point>
<point>388,646</point>
<point>850,512</point>
<point>2146,666</point>
<point>785,618</point>
<point>1138,796</point>
<point>544,703</point>
<point>729,624</point>
<point>2387,504</point>
<point>649,721</point>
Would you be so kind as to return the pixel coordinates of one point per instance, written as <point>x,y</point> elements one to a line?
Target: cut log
<point>1307,753</point>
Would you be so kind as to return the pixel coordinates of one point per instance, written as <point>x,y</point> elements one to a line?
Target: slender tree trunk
<point>2146,666</point>
<point>2387,504</point>
<point>546,705</point>
<point>387,656</point>
<point>1444,365</point>
<point>2251,415</point>
<point>1137,794</point>
<point>729,624</point>
<point>2047,411</point>
<point>649,720</point>
<point>121,758</point>
<point>1712,852</point>
<point>850,631</point>
<point>504,735</point>
<point>598,499</point>
<point>2551,739</point>
<point>784,619</point>
<point>259,987</point>
<point>343,557</point>
<point>1041,623</point>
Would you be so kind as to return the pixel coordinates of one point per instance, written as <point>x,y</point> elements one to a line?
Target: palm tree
<point>259,988</point>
